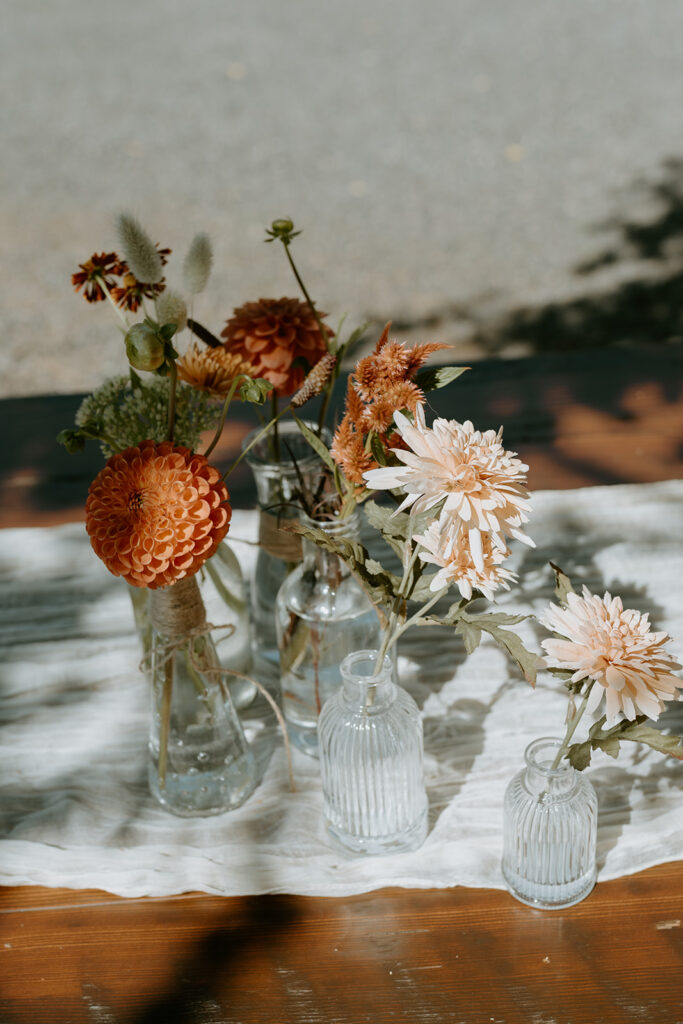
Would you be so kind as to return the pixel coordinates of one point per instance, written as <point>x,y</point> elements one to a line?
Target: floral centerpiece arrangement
<point>158,512</point>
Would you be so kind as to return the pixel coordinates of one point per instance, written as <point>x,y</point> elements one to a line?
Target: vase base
<point>400,842</point>
<point>549,897</point>
<point>204,794</point>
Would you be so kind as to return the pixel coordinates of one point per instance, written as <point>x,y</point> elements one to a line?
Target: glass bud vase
<point>224,594</point>
<point>200,761</point>
<point>549,831</point>
<point>322,614</point>
<point>370,736</point>
<point>278,480</point>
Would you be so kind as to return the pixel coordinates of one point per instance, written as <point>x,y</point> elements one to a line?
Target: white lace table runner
<point>75,807</point>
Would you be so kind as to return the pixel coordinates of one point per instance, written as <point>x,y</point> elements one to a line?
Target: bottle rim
<point>550,745</point>
<point>352,668</point>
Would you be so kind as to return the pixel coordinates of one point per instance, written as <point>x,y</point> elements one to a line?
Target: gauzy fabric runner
<point>75,807</point>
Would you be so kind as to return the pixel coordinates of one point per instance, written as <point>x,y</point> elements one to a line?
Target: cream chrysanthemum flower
<point>445,543</point>
<point>480,482</point>
<point>601,640</point>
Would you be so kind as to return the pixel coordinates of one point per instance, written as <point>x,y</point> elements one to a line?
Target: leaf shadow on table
<point>459,736</point>
<point>621,785</point>
<point>201,987</point>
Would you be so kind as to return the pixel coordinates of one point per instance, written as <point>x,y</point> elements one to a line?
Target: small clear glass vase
<point>225,598</point>
<point>200,761</point>
<point>549,831</point>
<point>278,481</point>
<point>370,736</point>
<point>322,614</point>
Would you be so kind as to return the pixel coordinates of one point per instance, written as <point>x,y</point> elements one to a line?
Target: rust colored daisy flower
<point>212,369</point>
<point>280,337</point>
<point>155,513</point>
<point>100,269</point>
<point>130,293</point>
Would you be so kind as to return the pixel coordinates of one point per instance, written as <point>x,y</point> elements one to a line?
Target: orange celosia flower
<point>280,337</point>
<point>213,369</point>
<point>381,384</point>
<point>156,512</point>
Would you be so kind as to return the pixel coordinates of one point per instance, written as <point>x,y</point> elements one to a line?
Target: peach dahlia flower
<point>601,640</point>
<point>445,543</point>
<point>483,484</point>
<point>156,512</point>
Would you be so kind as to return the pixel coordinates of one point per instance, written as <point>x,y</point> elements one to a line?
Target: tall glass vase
<point>549,831</point>
<point>370,736</point>
<point>278,482</point>
<point>200,762</point>
<point>322,614</point>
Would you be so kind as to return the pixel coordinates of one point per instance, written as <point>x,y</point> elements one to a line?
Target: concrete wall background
<point>448,160</point>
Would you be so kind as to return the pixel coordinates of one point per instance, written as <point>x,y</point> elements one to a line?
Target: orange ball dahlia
<point>280,338</point>
<point>156,512</point>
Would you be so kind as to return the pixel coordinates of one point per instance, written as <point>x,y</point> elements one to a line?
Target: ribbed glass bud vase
<point>370,737</point>
<point>278,475</point>
<point>322,614</point>
<point>549,831</point>
<point>200,761</point>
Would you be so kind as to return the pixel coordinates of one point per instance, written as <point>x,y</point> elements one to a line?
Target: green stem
<point>256,439</point>
<point>323,334</point>
<point>232,603</point>
<point>224,413</point>
<point>419,613</point>
<point>165,719</point>
<point>571,728</point>
<point>398,601</point>
<point>171,400</point>
<point>275,439</point>
<point>120,314</point>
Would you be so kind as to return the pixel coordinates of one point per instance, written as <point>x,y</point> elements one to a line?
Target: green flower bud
<point>282,227</point>
<point>144,348</point>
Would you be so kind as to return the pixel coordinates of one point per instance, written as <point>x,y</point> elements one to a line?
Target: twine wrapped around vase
<point>279,543</point>
<point>177,613</point>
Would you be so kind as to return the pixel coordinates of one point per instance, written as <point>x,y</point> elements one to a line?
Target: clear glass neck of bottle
<point>277,480</point>
<point>364,687</point>
<point>540,776</point>
<point>326,564</point>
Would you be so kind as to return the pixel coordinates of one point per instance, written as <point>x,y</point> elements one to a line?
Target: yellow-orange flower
<point>280,337</point>
<point>156,512</point>
<point>212,369</point>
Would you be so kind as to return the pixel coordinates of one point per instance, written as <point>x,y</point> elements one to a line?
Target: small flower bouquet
<point>601,651</point>
<point>158,512</point>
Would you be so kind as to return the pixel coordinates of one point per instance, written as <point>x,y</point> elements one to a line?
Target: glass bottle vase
<point>370,736</point>
<point>549,831</point>
<point>322,614</point>
<point>224,594</point>
<point>278,477</point>
<point>200,761</point>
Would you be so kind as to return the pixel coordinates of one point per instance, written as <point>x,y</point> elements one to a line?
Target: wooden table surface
<point>473,956</point>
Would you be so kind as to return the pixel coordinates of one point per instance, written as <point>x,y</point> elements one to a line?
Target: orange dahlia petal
<point>152,513</point>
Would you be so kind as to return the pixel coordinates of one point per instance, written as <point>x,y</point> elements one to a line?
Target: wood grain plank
<point>464,955</point>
